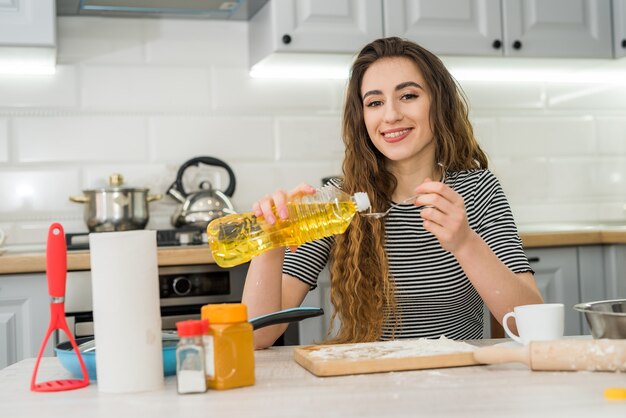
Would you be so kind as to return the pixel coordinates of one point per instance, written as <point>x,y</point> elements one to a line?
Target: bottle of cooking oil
<point>237,238</point>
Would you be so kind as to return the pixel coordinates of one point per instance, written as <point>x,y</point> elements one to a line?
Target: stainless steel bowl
<point>606,318</point>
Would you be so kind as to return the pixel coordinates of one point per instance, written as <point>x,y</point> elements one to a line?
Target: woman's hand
<point>444,215</point>
<point>275,204</point>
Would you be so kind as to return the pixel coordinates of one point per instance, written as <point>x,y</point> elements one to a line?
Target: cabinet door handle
<point>497,44</point>
<point>286,39</point>
<point>517,45</point>
<point>623,43</point>
<point>533,259</point>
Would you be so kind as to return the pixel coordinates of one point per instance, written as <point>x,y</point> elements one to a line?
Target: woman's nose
<point>392,113</point>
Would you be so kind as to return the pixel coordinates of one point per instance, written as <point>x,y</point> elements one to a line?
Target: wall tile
<point>572,179</point>
<point>100,39</point>
<point>611,135</point>
<point>88,138</point>
<point>553,212</point>
<point>144,88</point>
<point>177,139</point>
<point>523,180</point>
<point>55,91</point>
<point>38,190</point>
<point>4,140</point>
<point>170,41</point>
<point>483,95</point>
<point>234,90</point>
<point>586,97</point>
<point>309,139</point>
<point>546,136</point>
<point>609,177</point>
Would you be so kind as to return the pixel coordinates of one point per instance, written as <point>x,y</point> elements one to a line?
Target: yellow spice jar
<point>233,347</point>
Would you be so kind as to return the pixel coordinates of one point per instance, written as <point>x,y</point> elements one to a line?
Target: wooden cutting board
<point>384,356</point>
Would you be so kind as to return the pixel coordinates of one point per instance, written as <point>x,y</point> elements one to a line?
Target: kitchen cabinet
<point>557,277</point>
<point>313,26</point>
<point>27,33</point>
<point>516,28</point>
<point>24,317</point>
<point>615,271</point>
<point>619,28</point>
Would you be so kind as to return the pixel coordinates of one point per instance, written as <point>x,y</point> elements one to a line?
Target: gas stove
<point>165,238</point>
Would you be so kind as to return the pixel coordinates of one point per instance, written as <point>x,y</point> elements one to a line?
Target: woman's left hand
<point>444,215</point>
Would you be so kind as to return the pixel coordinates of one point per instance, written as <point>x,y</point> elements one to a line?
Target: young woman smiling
<point>427,268</point>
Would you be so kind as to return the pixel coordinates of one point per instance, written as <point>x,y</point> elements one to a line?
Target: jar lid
<point>225,313</point>
<point>190,327</point>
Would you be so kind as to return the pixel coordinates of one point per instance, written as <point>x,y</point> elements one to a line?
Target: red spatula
<point>56,269</point>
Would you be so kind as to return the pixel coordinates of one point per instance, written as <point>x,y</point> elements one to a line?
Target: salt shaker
<point>190,370</point>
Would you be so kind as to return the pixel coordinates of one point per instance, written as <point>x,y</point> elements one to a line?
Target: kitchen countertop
<point>284,389</point>
<point>32,259</point>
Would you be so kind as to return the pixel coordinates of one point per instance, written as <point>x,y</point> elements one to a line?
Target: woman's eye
<point>374,103</point>
<point>409,96</point>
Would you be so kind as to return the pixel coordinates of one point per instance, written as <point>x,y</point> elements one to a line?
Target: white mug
<point>538,322</point>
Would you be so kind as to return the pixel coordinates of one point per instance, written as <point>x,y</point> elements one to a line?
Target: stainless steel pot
<point>116,208</point>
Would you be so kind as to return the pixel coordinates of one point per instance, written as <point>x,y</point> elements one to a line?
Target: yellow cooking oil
<point>237,238</point>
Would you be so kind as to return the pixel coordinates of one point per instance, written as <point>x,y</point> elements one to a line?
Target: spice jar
<point>233,347</point>
<point>190,374</point>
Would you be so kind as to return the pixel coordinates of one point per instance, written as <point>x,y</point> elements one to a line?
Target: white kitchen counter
<point>284,389</point>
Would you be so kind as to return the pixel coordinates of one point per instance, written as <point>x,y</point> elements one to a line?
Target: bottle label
<point>209,363</point>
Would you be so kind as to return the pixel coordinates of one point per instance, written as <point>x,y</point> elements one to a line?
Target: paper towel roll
<point>127,316</point>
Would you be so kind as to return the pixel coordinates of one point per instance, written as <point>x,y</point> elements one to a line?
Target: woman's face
<point>396,109</point>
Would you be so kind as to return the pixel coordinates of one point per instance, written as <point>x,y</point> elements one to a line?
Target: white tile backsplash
<point>309,138</point>
<point>142,96</point>
<point>100,39</point>
<point>235,91</point>
<point>611,135</point>
<point>27,91</point>
<point>4,140</point>
<point>545,137</point>
<point>80,138</point>
<point>141,88</point>
<point>32,191</point>
<point>179,138</point>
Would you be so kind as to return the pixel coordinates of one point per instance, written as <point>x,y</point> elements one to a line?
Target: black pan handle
<point>208,161</point>
<point>286,315</point>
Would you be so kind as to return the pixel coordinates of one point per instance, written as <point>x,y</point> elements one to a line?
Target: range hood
<point>189,9</point>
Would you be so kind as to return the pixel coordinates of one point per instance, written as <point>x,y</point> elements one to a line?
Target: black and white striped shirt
<point>433,295</point>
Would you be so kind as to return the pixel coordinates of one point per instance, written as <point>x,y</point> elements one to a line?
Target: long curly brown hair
<point>362,291</point>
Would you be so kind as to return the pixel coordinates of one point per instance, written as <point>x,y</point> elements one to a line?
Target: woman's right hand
<point>275,204</point>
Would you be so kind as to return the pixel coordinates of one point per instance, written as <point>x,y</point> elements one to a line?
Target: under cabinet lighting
<point>27,69</point>
<point>478,69</point>
<point>303,66</point>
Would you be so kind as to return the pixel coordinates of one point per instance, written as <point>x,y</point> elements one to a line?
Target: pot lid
<point>116,184</point>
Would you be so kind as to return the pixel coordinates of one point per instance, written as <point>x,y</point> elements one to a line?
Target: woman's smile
<point>396,135</point>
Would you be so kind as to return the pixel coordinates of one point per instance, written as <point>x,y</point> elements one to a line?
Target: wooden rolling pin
<point>592,355</point>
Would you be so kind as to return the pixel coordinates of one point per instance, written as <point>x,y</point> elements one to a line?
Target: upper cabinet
<point>328,26</point>
<point>520,28</point>
<point>27,33</point>
<point>619,28</point>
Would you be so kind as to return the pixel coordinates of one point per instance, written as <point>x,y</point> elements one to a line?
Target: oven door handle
<point>286,315</point>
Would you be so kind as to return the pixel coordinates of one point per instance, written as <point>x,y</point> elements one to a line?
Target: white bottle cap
<point>362,201</point>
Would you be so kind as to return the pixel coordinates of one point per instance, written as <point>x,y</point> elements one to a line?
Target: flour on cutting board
<point>392,349</point>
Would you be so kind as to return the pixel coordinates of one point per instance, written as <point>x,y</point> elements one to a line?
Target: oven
<point>183,290</point>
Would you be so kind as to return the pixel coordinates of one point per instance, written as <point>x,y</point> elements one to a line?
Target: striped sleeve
<point>495,223</point>
<point>308,261</point>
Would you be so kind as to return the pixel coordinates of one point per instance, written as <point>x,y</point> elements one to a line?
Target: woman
<point>426,268</point>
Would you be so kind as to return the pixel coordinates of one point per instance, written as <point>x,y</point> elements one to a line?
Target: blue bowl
<point>69,360</point>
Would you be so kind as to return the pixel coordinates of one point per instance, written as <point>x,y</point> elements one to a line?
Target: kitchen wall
<point>140,97</point>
